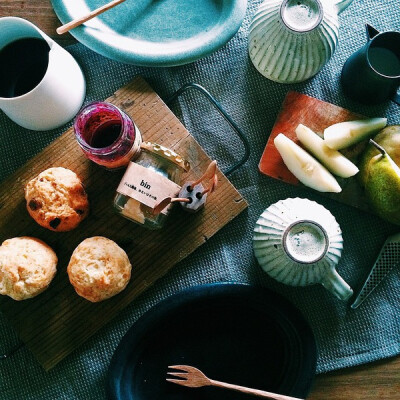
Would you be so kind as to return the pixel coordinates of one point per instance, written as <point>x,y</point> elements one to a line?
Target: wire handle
<point>224,114</point>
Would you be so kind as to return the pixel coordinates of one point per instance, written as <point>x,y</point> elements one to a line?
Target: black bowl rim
<point>150,318</point>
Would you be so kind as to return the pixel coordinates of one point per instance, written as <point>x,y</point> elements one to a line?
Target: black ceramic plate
<point>234,333</point>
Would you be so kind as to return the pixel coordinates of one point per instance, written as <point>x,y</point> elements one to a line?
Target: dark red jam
<point>107,135</point>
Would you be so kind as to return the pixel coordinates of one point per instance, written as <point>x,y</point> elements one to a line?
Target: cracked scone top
<point>27,266</point>
<point>99,269</point>
<point>56,199</point>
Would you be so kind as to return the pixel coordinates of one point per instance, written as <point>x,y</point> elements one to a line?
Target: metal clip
<point>193,195</point>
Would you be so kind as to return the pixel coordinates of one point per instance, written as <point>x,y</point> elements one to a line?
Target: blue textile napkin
<point>345,337</point>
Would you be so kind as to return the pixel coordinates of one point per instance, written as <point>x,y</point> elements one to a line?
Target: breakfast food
<point>344,134</point>
<point>382,185</point>
<point>389,139</point>
<point>305,167</point>
<point>27,266</point>
<point>56,199</point>
<point>380,173</point>
<point>332,159</point>
<point>99,269</point>
<point>338,136</point>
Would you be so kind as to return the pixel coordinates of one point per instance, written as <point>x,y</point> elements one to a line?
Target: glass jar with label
<point>153,176</point>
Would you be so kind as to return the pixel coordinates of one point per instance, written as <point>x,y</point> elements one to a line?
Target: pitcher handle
<point>336,285</point>
<point>341,5</point>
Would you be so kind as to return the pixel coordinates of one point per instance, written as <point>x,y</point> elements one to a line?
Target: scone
<point>99,269</point>
<point>56,199</point>
<point>27,266</point>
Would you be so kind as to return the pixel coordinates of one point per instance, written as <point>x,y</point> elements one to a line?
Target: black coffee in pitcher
<point>384,60</point>
<point>371,75</point>
<point>23,64</point>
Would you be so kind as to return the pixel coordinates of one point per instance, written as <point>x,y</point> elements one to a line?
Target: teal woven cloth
<point>345,337</point>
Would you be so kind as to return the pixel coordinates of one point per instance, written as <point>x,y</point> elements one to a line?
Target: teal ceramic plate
<point>155,32</point>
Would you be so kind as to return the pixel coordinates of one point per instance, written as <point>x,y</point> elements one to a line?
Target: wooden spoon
<point>79,21</point>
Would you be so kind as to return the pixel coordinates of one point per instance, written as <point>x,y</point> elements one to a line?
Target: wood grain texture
<point>297,109</point>
<point>58,321</point>
<point>380,380</point>
<point>39,12</point>
<point>376,381</point>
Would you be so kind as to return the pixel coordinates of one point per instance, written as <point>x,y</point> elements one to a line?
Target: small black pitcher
<point>372,74</point>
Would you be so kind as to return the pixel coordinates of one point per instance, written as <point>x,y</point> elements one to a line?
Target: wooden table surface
<point>375,381</point>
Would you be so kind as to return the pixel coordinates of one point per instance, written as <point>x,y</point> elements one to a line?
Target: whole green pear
<point>382,186</point>
<point>389,139</point>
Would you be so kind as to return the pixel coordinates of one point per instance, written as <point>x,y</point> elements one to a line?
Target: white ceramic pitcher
<point>58,96</point>
<point>291,40</point>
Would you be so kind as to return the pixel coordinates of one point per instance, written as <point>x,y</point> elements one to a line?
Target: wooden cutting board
<point>58,321</point>
<point>297,109</point>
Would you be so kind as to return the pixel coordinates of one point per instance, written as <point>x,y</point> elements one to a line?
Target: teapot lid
<point>301,15</point>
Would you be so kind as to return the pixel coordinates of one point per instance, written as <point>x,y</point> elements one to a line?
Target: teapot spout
<point>371,31</point>
<point>341,5</point>
<point>336,285</point>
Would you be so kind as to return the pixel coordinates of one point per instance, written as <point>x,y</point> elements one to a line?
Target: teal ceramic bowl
<point>157,33</point>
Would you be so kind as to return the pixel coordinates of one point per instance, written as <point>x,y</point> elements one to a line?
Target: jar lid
<point>166,153</point>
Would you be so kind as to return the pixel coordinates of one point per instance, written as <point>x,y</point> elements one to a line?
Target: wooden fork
<point>193,377</point>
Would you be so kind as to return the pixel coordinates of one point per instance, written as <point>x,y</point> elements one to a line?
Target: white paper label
<point>146,186</point>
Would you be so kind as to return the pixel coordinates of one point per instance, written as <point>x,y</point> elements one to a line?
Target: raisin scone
<point>27,266</point>
<point>56,199</point>
<point>99,269</point>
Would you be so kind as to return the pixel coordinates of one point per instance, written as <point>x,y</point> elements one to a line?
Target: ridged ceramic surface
<point>284,55</point>
<point>268,244</point>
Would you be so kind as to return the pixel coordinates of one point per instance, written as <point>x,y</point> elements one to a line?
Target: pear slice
<point>305,167</point>
<point>344,134</point>
<point>336,162</point>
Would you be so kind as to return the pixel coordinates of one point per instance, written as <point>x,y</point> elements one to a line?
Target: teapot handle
<point>341,5</point>
<point>336,285</point>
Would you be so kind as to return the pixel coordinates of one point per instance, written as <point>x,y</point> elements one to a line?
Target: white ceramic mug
<point>58,96</point>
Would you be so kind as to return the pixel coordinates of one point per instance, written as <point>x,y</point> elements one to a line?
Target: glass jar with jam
<point>153,176</point>
<point>107,135</point>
